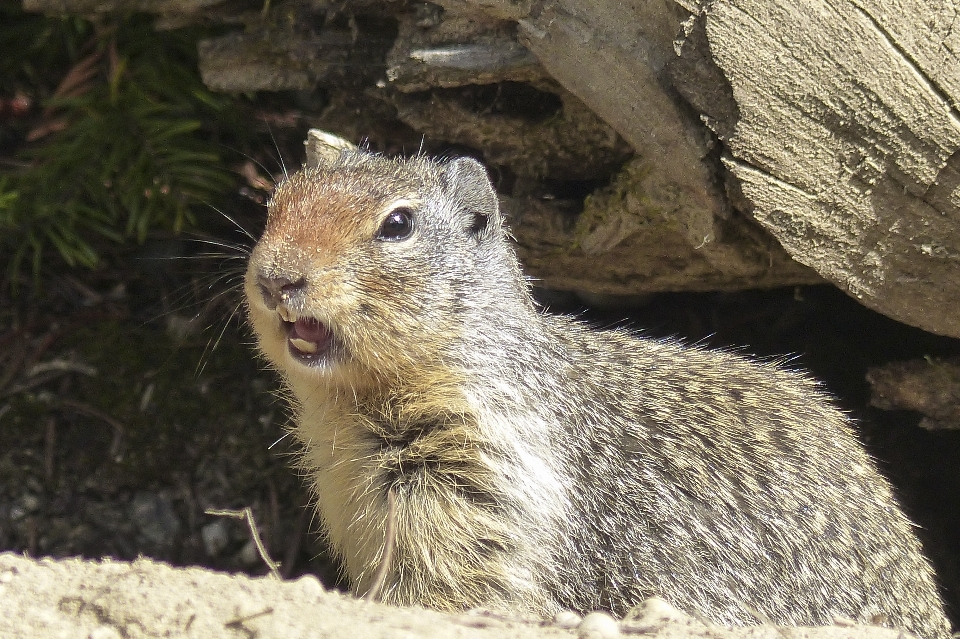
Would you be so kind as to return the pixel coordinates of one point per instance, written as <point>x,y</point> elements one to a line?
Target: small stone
<point>30,503</point>
<point>598,625</point>
<point>154,516</point>
<point>655,611</point>
<point>215,537</point>
<point>310,586</point>
<point>249,555</point>
<point>567,619</point>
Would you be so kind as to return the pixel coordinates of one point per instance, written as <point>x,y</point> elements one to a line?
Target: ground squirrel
<point>524,461</point>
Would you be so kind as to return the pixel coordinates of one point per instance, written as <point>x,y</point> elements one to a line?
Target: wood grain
<point>846,142</point>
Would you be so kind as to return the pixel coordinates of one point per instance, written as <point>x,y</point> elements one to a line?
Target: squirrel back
<point>467,450</point>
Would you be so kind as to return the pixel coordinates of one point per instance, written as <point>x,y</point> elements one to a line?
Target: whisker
<point>221,294</point>
<point>247,156</point>
<point>199,256</point>
<point>282,437</point>
<point>237,248</point>
<point>210,348</point>
<point>283,165</point>
<point>234,222</point>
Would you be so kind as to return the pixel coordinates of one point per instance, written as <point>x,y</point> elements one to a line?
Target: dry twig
<point>247,514</point>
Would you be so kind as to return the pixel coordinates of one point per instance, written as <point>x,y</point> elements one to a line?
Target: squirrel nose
<point>278,289</point>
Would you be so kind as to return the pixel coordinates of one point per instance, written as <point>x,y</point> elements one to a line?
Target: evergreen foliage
<point>125,143</point>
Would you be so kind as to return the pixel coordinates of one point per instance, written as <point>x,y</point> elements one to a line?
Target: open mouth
<point>309,340</point>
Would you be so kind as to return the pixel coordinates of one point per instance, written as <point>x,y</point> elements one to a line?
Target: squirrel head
<point>371,268</point>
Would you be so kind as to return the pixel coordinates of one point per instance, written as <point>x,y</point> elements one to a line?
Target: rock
<point>567,619</point>
<point>215,537</point>
<point>155,518</point>
<point>598,625</point>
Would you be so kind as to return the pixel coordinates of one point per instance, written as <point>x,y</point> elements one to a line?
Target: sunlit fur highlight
<point>538,464</point>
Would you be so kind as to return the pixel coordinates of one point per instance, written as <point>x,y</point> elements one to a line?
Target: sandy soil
<point>74,598</point>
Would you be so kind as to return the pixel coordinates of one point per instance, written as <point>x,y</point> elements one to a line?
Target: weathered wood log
<point>611,55</point>
<point>662,224</point>
<point>831,124</point>
<point>930,387</point>
<point>463,49</point>
<point>616,244</point>
<point>843,133</point>
<point>283,57</point>
<point>570,143</point>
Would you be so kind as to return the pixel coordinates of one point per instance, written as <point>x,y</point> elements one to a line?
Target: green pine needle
<point>135,154</point>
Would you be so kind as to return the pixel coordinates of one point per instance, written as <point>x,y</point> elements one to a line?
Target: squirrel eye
<point>398,225</point>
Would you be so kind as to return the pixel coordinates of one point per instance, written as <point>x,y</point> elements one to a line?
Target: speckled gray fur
<point>538,464</point>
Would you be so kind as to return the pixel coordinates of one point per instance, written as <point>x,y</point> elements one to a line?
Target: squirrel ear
<point>324,148</point>
<point>466,180</point>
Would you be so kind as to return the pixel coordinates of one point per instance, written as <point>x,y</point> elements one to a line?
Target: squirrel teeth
<point>303,345</point>
<point>286,314</point>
